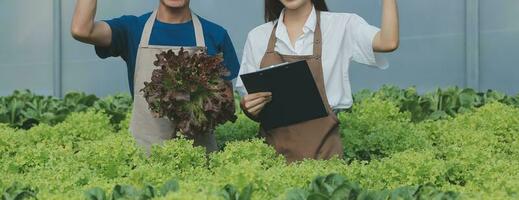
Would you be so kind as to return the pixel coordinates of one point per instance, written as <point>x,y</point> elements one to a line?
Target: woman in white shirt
<point>303,30</point>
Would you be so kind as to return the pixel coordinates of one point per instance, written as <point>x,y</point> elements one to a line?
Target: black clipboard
<point>295,96</point>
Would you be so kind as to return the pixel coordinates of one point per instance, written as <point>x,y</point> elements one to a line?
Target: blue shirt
<point>127,31</point>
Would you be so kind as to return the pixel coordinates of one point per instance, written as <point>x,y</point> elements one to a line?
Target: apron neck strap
<point>148,28</point>
<point>317,38</point>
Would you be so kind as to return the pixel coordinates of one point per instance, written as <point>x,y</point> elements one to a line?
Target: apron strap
<point>199,31</point>
<point>318,38</point>
<point>272,40</point>
<point>148,28</point>
<point>317,50</point>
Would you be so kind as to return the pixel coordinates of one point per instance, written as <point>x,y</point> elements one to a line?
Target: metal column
<point>57,61</point>
<point>472,78</point>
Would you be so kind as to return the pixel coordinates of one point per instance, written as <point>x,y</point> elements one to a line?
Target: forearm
<point>389,37</point>
<point>84,16</point>
<point>85,29</point>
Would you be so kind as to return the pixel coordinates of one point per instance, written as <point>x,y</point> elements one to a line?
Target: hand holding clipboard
<point>295,96</point>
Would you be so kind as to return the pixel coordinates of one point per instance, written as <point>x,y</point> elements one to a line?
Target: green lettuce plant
<point>336,187</point>
<point>18,192</point>
<point>475,154</point>
<point>24,109</point>
<point>120,192</point>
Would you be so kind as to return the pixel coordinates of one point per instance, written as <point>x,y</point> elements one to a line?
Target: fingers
<point>254,99</point>
<point>258,108</point>
<point>254,103</point>
<point>253,96</point>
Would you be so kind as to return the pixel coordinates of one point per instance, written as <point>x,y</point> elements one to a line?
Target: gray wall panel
<point>433,51</point>
<point>26,46</point>
<point>499,45</point>
<point>432,48</point>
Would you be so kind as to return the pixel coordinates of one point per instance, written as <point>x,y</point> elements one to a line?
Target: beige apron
<point>147,129</point>
<point>314,139</point>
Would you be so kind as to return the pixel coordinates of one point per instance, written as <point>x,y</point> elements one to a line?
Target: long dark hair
<point>273,8</point>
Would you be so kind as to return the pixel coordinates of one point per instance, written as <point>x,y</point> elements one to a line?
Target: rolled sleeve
<point>119,44</point>
<point>362,37</point>
<point>248,65</point>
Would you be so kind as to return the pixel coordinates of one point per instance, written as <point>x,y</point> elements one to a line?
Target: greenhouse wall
<point>466,43</point>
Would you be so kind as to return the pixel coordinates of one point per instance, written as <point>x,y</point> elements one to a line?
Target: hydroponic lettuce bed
<point>448,144</point>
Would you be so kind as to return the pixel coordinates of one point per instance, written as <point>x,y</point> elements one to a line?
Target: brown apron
<point>314,139</point>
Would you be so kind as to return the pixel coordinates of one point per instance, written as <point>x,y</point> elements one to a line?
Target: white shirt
<point>346,37</point>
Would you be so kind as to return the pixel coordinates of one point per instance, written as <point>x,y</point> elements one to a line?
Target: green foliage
<point>474,153</point>
<point>24,109</point>
<point>475,146</point>
<point>253,151</point>
<point>243,129</point>
<point>169,190</point>
<point>178,155</point>
<point>336,187</point>
<point>18,192</point>
<point>403,168</point>
<point>229,192</point>
<point>439,104</point>
<point>106,157</point>
<point>80,151</point>
<point>116,107</point>
<point>375,129</point>
<point>129,192</point>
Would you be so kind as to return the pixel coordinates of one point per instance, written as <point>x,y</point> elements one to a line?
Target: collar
<point>310,24</point>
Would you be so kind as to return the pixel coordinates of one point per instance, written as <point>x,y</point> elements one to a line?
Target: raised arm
<point>85,29</point>
<point>388,38</point>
